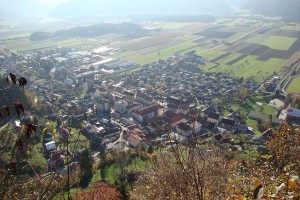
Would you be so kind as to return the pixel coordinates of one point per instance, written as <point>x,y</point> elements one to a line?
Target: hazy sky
<point>52,3</point>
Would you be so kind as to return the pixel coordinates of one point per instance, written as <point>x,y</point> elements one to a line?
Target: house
<point>145,113</point>
<point>293,114</point>
<point>183,109</point>
<point>196,126</point>
<point>101,104</point>
<point>120,106</point>
<point>117,146</point>
<point>143,98</point>
<point>50,146</point>
<point>134,140</point>
<point>79,114</point>
<point>184,129</point>
<point>209,126</point>
<point>214,117</point>
<point>56,159</point>
<point>174,101</point>
<point>227,123</point>
<point>260,117</point>
<point>172,118</point>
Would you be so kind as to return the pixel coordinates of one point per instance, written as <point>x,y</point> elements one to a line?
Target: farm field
<point>240,47</point>
<point>279,42</point>
<point>251,67</point>
<point>165,53</point>
<point>257,52</point>
<point>23,45</point>
<point>294,87</point>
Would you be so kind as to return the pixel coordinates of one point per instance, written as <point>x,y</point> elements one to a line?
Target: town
<point>123,106</point>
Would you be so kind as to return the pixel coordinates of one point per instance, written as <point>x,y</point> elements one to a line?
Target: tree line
<point>126,28</point>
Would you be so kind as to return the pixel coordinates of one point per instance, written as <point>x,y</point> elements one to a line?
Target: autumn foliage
<point>203,172</point>
<point>98,191</point>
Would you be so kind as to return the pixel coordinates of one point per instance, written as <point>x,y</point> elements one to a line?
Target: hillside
<point>128,29</point>
<point>132,7</point>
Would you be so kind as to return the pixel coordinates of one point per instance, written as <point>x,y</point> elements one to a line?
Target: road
<point>121,137</point>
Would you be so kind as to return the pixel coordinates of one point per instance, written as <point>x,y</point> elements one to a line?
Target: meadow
<point>294,86</point>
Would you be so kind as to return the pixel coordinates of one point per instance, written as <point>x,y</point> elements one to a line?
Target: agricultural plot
<point>241,22</point>
<point>235,60</point>
<point>280,53</point>
<point>292,27</point>
<point>165,53</point>
<point>211,54</point>
<point>170,25</point>
<point>289,33</point>
<point>294,86</point>
<point>250,67</point>
<point>215,34</point>
<point>22,46</point>
<point>231,57</point>
<point>220,57</point>
<point>151,41</point>
<point>257,39</point>
<point>235,36</point>
<point>279,42</point>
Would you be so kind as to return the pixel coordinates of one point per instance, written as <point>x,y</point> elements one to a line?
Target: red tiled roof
<point>152,120</point>
<point>149,109</point>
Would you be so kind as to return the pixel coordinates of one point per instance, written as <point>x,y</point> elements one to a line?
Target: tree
<point>274,175</point>
<point>86,168</point>
<point>184,173</point>
<point>98,191</point>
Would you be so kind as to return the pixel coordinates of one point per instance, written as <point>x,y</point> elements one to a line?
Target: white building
<point>50,146</point>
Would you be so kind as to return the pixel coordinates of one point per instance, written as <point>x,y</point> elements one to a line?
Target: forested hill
<point>287,9</point>
<point>126,28</point>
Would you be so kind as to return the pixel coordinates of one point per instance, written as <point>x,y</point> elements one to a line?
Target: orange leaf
<point>292,184</point>
<point>256,180</point>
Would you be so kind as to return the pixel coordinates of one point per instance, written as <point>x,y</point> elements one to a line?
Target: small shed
<point>50,146</point>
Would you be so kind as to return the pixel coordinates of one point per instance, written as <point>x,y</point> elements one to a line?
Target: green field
<point>258,39</point>
<point>211,54</point>
<point>274,42</point>
<point>165,53</point>
<point>279,42</point>
<point>170,25</point>
<point>295,86</point>
<point>250,67</point>
<point>23,46</point>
